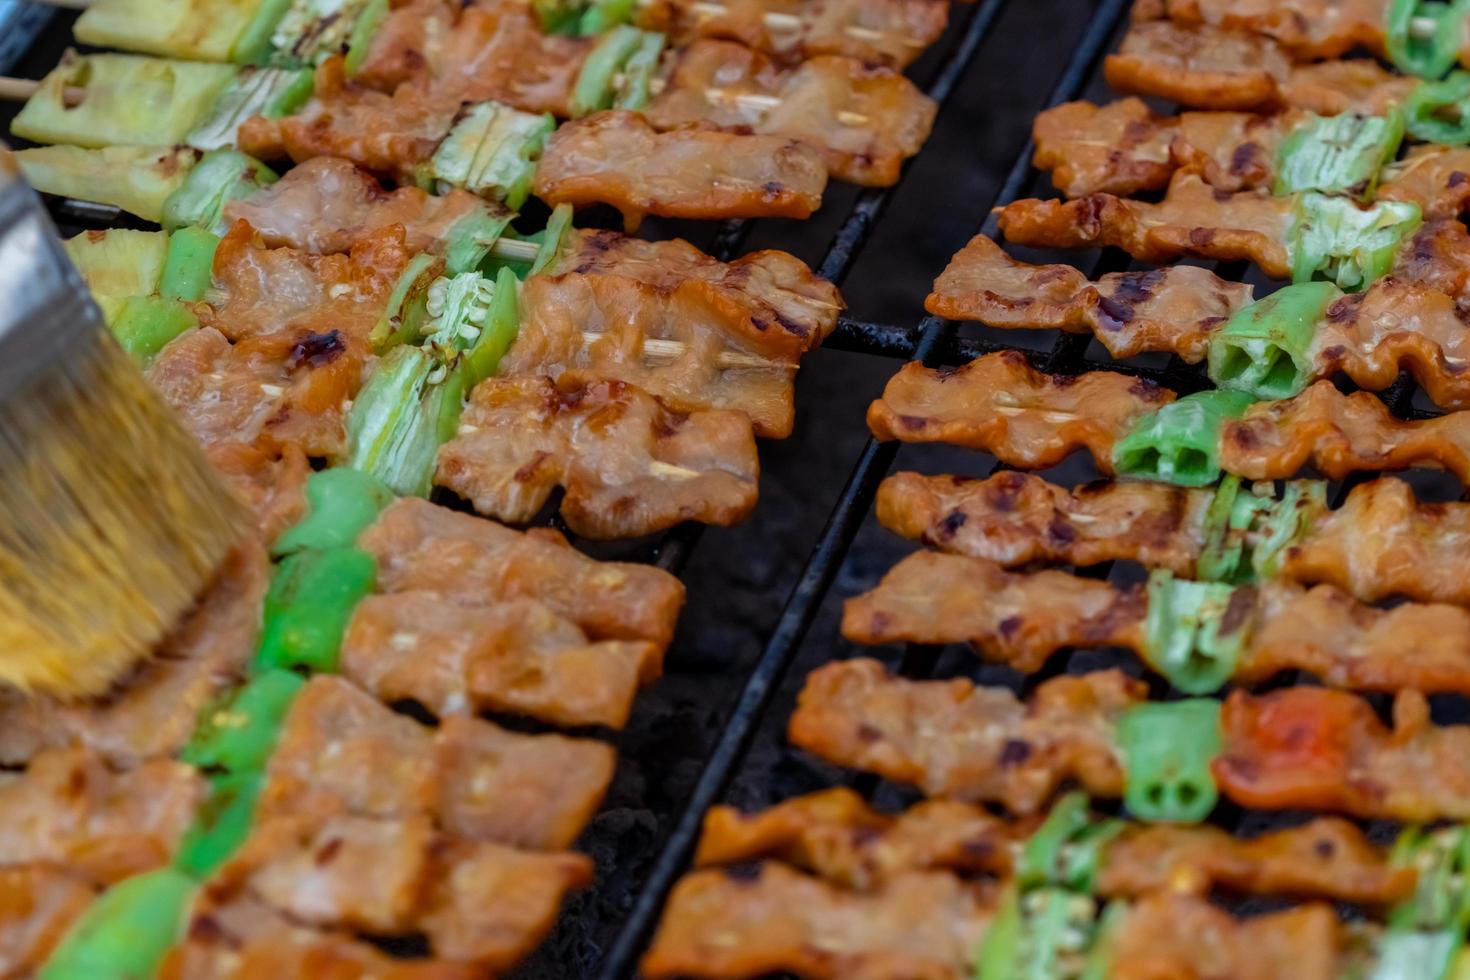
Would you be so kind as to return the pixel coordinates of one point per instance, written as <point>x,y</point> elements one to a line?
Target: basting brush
<point>112,522</point>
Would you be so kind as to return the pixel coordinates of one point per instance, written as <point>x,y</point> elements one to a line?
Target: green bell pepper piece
<point>595,88</point>
<point>223,822</point>
<point>636,81</point>
<point>1167,748</point>
<point>144,325</point>
<point>1099,963</point>
<point>253,46</point>
<point>501,328</point>
<point>1180,443</point>
<point>1439,112</point>
<point>603,15</point>
<point>492,151</point>
<point>1190,635</point>
<point>1270,525</point>
<point>1339,153</point>
<point>1285,524</point>
<point>1428,57</point>
<point>407,410</point>
<point>559,16</point>
<point>340,504</point>
<point>188,265</point>
<point>308,606</point>
<point>405,311</point>
<point>126,932</point>
<point>268,92</point>
<point>1264,348</point>
<point>469,240</point>
<point>220,177</point>
<point>1441,861</point>
<point>360,41</point>
<point>237,733</point>
<point>1066,850</point>
<point>1333,238</point>
<point>1037,935</point>
<point>553,237</point>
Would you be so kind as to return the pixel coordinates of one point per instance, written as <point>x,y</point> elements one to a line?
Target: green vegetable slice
<point>126,932</point>
<point>1339,153</point>
<point>340,504</point>
<point>237,733</point>
<point>144,325</point>
<point>1194,632</point>
<point>1066,850</point>
<point>1334,239</point>
<point>221,825</point>
<point>1439,112</point>
<point>1265,348</point>
<point>268,92</point>
<point>221,177</point>
<point>492,150</point>
<point>138,179</point>
<point>1432,56</point>
<point>1167,749</point>
<point>596,86</point>
<point>310,602</point>
<point>188,268</point>
<point>1180,443</point>
<point>407,410</point>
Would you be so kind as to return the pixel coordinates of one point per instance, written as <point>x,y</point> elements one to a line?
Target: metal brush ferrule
<point>46,308</point>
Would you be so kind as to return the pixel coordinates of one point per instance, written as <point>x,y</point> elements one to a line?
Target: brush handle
<point>48,311</point>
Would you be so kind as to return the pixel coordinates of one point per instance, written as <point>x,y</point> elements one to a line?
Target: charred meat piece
<point>956,740</point>
<point>1312,748</point>
<point>617,158</point>
<point>1016,518</point>
<point>516,657</point>
<point>1173,309</point>
<point>999,404</point>
<point>1192,219</point>
<point>835,834</point>
<point>865,120</point>
<point>886,32</point>
<point>720,924</point>
<point>629,464</point>
<point>420,546</point>
<point>689,346</point>
<point>328,205</point>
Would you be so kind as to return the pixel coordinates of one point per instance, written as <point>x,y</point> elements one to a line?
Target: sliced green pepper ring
<point>237,733</point>
<point>1265,348</point>
<point>596,85</point>
<point>311,599</point>
<point>1332,238</point>
<point>554,237</point>
<point>1428,57</point>
<point>1194,632</point>
<point>1343,153</point>
<point>1066,850</point>
<point>1439,112</point>
<point>1180,443</point>
<point>1035,932</point>
<point>221,825</point>
<point>1167,748</point>
<point>340,504</point>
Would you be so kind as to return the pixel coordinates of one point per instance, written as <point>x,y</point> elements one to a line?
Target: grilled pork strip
<point>865,120</point>
<point>419,546</point>
<point>515,657</point>
<point>630,466</point>
<point>1173,309</point>
<point>885,32</point>
<point>1312,748</point>
<point>1309,29</point>
<point>840,838</point>
<point>727,926</point>
<point>1017,518</point>
<point>38,904</point>
<point>1000,404</point>
<point>956,740</point>
<point>1192,219</point>
<point>1021,619</point>
<point>617,158</point>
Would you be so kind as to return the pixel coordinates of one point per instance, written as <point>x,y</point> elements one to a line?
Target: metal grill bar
<point>925,343</point>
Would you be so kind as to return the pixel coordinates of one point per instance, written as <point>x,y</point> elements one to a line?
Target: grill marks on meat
<point>1022,619</point>
<point>1124,147</point>
<point>1184,937</point>
<point>888,32</point>
<point>837,836</point>
<point>516,657</point>
<point>1312,748</point>
<point>1017,619</point>
<point>1173,309</point>
<point>1192,219</point>
<point>917,924</point>
<point>1016,518</point>
<point>70,810</point>
<point>617,158</point>
<point>955,740</point>
<point>613,326</point>
<point>1001,405</point>
<point>819,102</point>
<point>366,817</point>
<point>629,465</point>
<point>1205,67</point>
<point>328,205</point>
<point>153,711</point>
<point>1382,542</point>
<point>1339,434</point>
<point>419,546</point>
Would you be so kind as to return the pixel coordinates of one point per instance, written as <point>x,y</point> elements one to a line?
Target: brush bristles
<point>111,523</point>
